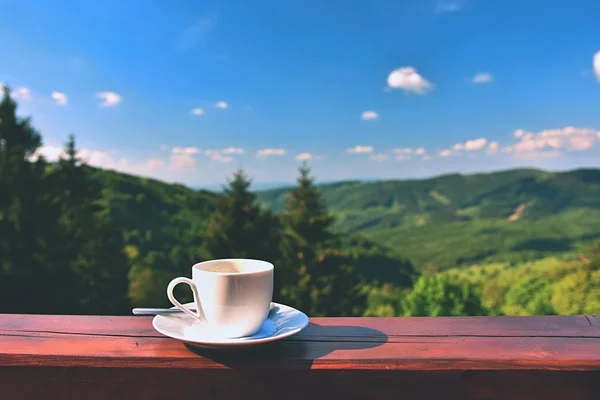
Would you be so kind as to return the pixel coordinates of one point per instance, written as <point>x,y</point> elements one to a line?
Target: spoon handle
<point>162,311</point>
<point>156,311</point>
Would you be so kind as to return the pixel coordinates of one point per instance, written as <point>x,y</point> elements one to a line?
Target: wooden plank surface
<point>479,357</point>
<point>546,326</point>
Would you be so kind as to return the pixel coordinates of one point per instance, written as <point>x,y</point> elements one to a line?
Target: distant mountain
<point>455,219</point>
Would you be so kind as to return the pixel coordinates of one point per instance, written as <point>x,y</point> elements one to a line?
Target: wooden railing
<point>80,357</point>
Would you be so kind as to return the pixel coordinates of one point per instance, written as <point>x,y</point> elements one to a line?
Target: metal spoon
<point>162,311</point>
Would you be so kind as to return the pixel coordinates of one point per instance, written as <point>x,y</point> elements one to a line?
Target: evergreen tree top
<point>17,137</point>
<point>238,188</point>
<point>304,179</point>
<point>70,149</point>
<point>239,182</point>
<point>8,110</point>
<point>71,158</point>
<point>305,213</point>
<point>306,196</point>
<point>239,227</point>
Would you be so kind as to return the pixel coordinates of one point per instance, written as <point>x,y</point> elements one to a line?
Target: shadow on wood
<point>313,343</point>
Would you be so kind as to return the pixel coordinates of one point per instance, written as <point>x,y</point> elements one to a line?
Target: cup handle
<point>199,314</point>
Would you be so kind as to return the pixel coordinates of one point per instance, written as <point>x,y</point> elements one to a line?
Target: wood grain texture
<point>439,326</point>
<point>479,357</point>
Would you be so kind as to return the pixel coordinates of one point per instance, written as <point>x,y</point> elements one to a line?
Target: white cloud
<point>110,99</point>
<point>445,153</point>
<point>60,98</point>
<point>367,115</point>
<point>379,157</point>
<point>447,6</point>
<point>597,64</point>
<point>22,93</point>
<point>99,158</point>
<point>185,150</point>
<point>493,147</point>
<point>475,144</point>
<point>549,142</point>
<point>233,150</point>
<point>223,155</point>
<point>482,77</point>
<point>222,105</point>
<point>409,80</point>
<point>304,156</point>
<point>470,145</point>
<point>96,158</point>
<point>50,153</point>
<point>182,158</point>
<point>197,111</point>
<point>404,153</point>
<point>270,152</point>
<point>519,133</point>
<point>360,149</point>
<point>426,157</point>
<point>581,142</point>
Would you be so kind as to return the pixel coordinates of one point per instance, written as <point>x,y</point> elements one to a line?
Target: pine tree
<point>94,266</point>
<point>306,214</point>
<point>239,228</point>
<point>314,274</point>
<point>24,213</point>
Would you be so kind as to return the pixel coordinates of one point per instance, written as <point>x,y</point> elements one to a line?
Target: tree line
<point>57,254</point>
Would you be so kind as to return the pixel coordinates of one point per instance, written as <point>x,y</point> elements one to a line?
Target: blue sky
<point>189,91</point>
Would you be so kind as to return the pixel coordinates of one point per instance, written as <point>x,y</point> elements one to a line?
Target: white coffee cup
<point>232,296</point>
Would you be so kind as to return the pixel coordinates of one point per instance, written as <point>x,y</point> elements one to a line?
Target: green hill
<point>153,214</point>
<point>160,218</point>
<point>438,223</point>
<point>455,220</point>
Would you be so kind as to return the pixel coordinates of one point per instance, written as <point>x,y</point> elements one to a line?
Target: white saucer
<point>283,321</point>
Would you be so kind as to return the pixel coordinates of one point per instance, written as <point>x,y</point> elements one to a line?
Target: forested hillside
<point>458,220</point>
<point>161,220</point>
